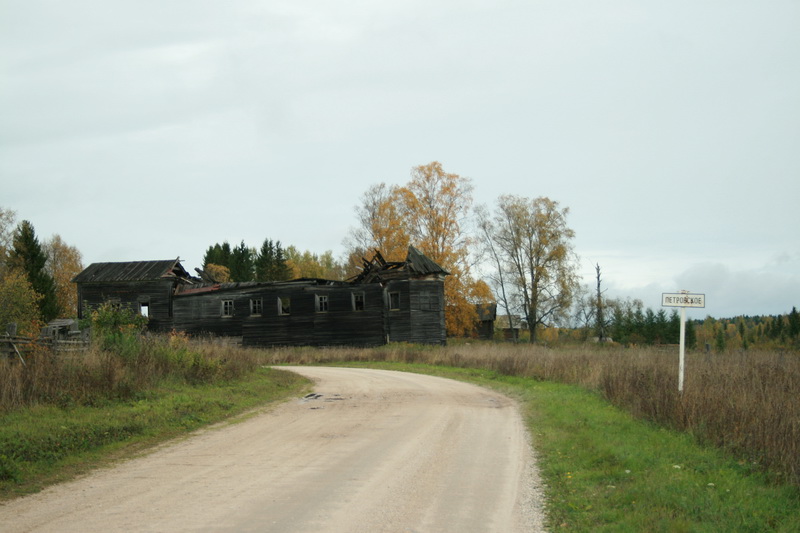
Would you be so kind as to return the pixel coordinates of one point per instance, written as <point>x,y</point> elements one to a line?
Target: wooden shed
<point>387,302</point>
<point>484,325</point>
<point>147,287</point>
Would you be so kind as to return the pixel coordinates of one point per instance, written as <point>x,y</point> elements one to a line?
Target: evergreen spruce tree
<point>270,262</point>
<point>661,327</point>
<point>721,338</point>
<point>282,270</point>
<point>794,323</point>
<point>777,327</point>
<point>743,332</point>
<point>242,263</point>
<point>265,261</point>
<point>673,329</point>
<point>27,256</point>
<point>218,255</point>
<point>691,334</point>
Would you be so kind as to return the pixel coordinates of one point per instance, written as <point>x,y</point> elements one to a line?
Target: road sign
<point>682,299</point>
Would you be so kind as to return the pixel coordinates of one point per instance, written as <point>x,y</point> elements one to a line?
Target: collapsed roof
<point>378,269</point>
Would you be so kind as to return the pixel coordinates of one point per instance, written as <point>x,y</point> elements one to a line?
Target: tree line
<point>271,262</point>
<point>35,277</point>
<point>746,332</point>
<point>627,322</point>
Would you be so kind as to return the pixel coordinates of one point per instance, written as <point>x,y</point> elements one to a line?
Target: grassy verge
<point>44,444</point>
<point>605,470</point>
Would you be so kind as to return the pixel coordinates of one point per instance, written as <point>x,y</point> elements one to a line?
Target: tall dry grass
<point>747,403</point>
<point>122,371</point>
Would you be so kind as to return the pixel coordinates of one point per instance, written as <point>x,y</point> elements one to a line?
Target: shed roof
<point>133,271</point>
<point>419,263</point>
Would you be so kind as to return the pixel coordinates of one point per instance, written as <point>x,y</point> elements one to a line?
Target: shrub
<point>117,328</point>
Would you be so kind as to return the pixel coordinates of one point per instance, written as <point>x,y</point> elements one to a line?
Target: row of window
<point>321,304</point>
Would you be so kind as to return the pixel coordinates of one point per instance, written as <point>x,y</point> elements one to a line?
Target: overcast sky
<point>670,129</point>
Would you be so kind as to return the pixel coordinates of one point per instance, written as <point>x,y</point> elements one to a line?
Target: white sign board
<point>683,300</point>
<point>679,299</point>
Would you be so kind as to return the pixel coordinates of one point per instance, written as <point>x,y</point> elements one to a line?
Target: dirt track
<point>376,451</point>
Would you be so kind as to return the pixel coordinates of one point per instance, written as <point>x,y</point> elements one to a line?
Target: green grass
<point>47,444</point>
<point>609,471</point>
<point>605,470</point>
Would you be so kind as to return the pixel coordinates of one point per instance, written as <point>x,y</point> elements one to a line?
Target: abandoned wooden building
<point>484,325</point>
<point>387,302</point>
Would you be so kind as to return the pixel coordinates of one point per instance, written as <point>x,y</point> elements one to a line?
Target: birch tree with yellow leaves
<point>430,212</point>
<point>534,248</point>
<point>380,226</point>
<point>64,262</point>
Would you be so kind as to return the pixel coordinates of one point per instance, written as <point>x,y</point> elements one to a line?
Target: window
<point>358,301</point>
<point>255,307</point>
<point>144,309</point>
<point>321,303</point>
<point>284,305</point>
<point>227,307</point>
<point>394,300</point>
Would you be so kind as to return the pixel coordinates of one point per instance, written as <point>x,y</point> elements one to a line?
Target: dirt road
<point>375,451</point>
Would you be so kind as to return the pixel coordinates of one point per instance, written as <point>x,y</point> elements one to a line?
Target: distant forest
<point>629,323</point>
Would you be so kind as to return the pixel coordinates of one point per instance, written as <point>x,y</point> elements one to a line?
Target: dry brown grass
<point>130,368</point>
<point>747,403</point>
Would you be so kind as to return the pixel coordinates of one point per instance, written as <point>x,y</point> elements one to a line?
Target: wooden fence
<point>16,347</point>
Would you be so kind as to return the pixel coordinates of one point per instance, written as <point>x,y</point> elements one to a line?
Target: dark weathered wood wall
<point>398,321</point>
<point>157,294</point>
<point>420,318</point>
<point>340,324</point>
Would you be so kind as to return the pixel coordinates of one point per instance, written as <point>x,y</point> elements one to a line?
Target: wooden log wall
<point>420,317</point>
<point>157,295</point>
<point>305,324</point>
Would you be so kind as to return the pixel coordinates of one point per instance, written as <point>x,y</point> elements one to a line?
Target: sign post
<point>683,300</point>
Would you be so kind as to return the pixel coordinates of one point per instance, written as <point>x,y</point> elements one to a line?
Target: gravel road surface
<point>370,451</point>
